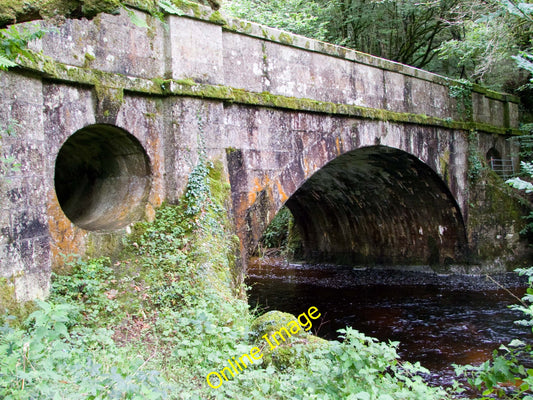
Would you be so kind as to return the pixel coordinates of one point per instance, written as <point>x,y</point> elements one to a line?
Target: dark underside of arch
<point>378,206</point>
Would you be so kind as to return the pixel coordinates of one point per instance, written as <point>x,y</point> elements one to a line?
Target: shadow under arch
<point>102,178</point>
<point>378,205</point>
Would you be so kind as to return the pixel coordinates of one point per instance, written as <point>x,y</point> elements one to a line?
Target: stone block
<point>110,43</point>
<point>394,91</point>
<point>245,63</point>
<point>32,285</point>
<point>369,87</point>
<point>67,109</point>
<point>196,51</point>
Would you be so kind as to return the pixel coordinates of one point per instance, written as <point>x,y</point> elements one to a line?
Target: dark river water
<point>438,319</point>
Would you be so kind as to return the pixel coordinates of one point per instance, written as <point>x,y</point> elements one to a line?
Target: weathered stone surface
<point>278,109</point>
<point>196,51</point>
<point>12,11</point>
<point>24,236</point>
<point>110,43</point>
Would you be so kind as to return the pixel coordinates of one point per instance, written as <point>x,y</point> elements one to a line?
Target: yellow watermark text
<point>215,379</point>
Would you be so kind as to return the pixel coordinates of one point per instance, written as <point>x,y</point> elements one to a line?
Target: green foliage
<point>88,282</point>
<point>302,17</point>
<point>282,236</point>
<point>358,368</point>
<point>135,18</point>
<point>403,31</point>
<point>475,165</point>
<point>527,187</point>
<point>362,368</point>
<point>462,92</point>
<point>53,358</point>
<point>14,43</point>
<point>525,61</point>
<point>277,233</point>
<point>486,36</point>
<point>520,184</point>
<point>168,7</point>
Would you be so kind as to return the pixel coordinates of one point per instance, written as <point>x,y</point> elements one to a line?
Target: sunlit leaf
<point>169,7</point>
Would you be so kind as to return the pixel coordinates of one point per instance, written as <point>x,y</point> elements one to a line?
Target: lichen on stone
<point>91,8</point>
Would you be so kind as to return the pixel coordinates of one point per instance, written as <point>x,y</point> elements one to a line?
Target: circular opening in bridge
<point>102,178</point>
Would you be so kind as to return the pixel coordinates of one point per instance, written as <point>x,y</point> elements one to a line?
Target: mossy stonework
<point>275,107</point>
<point>285,353</point>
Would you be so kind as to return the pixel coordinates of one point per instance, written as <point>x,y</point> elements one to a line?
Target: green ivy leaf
<point>6,63</point>
<point>136,19</point>
<point>169,7</point>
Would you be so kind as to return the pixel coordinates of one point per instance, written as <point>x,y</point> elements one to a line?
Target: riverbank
<point>439,320</point>
<point>336,276</point>
<point>155,323</point>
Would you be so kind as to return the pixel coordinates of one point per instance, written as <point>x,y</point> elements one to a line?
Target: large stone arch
<point>301,145</point>
<point>404,188</point>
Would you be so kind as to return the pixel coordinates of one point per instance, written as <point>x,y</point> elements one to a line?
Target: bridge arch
<point>102,178</point>
<point>378,205</point>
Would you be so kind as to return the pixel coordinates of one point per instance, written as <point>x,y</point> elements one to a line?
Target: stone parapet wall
<point>241,55</point>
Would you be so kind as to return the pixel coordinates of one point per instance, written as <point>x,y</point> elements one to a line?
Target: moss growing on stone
<point>109,101</point>
<point>188,87</point>
<point>286,38</point>
<point>218,19</point>
<point>91,8</point>
<point>12,11</point>
<point>89,58</point>
<point>218,184</point>
<point>497,216</point>
<point>289,353</point>
<point>189,7</point>
<point>10,306</point>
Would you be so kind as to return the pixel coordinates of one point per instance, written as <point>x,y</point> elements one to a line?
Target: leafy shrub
<point>87,283</point>
<point>277,232</point>
<point>508,374</point>
<point>51,360</point>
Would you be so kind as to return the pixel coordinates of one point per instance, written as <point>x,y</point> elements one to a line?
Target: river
<point>438,319</point>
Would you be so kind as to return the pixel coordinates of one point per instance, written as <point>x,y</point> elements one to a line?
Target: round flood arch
<point>102,178</point>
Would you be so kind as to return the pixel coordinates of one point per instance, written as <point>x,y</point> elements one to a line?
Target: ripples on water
<point>438,319</point>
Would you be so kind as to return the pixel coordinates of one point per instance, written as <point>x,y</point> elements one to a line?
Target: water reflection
<point>438,320</point>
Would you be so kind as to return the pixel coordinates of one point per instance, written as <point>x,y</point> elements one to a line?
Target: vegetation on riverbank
<point>155,323</point>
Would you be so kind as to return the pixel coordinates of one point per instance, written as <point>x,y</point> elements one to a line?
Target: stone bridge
<point>376,160</point>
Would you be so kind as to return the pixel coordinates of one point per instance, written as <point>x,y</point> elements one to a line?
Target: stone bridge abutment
<point>373,158</point>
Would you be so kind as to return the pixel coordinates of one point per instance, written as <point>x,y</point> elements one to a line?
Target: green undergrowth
<point>155,323</point>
